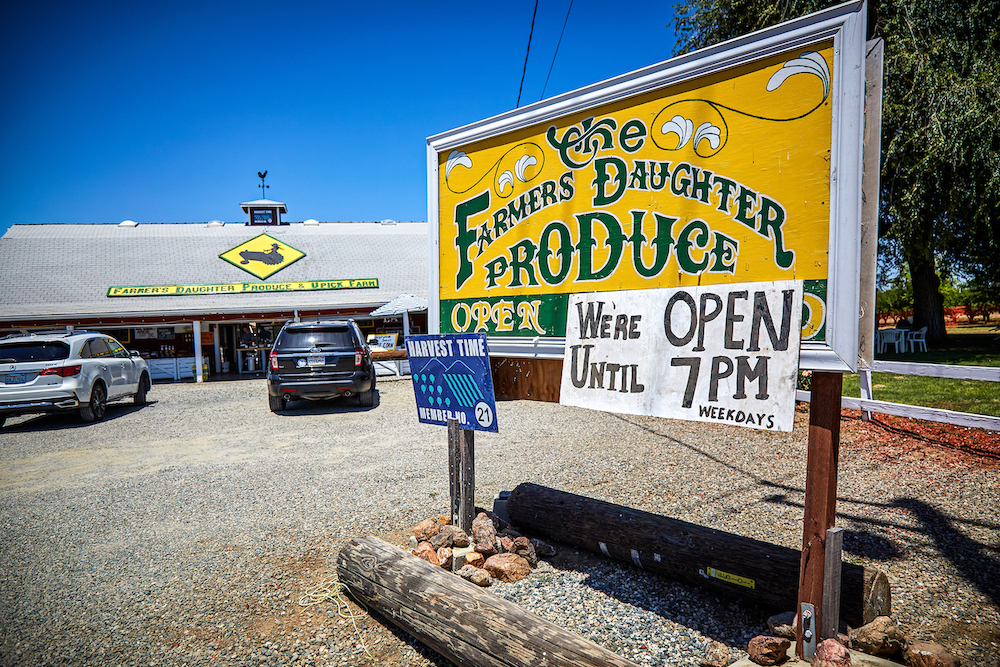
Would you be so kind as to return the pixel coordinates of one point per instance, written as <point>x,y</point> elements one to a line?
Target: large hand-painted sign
<point>734,164</point>
<point>452,380</point>
<point>716,353</point>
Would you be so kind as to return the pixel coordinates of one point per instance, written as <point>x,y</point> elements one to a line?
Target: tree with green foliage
<point>940,190</point>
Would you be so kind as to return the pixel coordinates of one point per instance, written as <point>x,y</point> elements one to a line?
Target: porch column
<point>196,328</point>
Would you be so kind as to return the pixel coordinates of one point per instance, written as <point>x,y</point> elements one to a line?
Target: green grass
<point>966,346</point>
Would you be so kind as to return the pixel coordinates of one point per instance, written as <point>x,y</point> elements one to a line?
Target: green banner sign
<point>241,288</point>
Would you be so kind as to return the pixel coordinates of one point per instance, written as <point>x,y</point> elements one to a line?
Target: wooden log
<point>727,563</point>
<point>464,623</point>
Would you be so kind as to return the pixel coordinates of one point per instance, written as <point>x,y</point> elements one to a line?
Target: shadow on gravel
<point>332,406</point>
<point>730,621</point>
<point>969,557</point>
<point>71,419</point>
<point>870,545</point>
<point>405,637</point>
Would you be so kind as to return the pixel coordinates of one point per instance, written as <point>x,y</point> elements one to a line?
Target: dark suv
<point>319,360</point>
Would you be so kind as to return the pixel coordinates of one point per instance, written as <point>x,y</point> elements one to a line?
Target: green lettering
<point>679,186</point>
<point>614,243</point>
<point>662,242</point>
<point>744,205</point>
<point>521,256</point>
<point>465,237</point>
<point>701,187</point>
<point>564,251</point>
<point>772,217</point>
<point>631,136</point>
<point>684,245</point>
<point>602,177</point>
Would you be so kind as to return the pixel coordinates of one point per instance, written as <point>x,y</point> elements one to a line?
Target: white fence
<point>868,405</point>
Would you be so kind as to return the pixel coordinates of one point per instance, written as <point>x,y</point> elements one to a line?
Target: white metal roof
<point>66,269</point>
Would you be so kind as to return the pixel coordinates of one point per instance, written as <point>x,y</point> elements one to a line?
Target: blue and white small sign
<point>452,380</point>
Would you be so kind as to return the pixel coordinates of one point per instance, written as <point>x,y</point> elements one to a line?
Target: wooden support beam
<point>821,491</point>
<point>464,623</point>
<point>726,563</point>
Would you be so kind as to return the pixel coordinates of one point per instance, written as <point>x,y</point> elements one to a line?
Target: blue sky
<point>165,112</point>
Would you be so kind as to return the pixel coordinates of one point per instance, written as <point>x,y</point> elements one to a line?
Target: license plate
<point>16,379</point>
<point>316,361</point>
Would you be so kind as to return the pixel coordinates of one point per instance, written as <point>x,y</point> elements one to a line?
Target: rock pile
<point>880,638</point>
<point>494,550</point>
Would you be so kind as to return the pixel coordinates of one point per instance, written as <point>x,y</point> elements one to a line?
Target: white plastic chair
<point>915,338</point>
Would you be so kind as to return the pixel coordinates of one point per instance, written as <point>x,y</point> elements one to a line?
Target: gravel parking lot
<point>186,531</point>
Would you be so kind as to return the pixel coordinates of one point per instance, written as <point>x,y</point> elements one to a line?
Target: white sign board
<point>716,353</point>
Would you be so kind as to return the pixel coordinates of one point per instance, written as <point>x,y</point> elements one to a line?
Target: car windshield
<point>339,337</point>
<point>33,351</point>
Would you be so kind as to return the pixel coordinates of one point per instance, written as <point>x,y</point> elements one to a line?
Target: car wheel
<point>98,405</point>
<point>366,399</point>
<point>276,403</point>
<point>140,394</point>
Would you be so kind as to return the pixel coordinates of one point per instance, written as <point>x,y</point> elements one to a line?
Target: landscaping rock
<point>476,575</point>
<point>716,655</point>
<point>881,638</point>
<point>831,653</point>
<point>523,548</point>
<point>428,553</point>
<point>425,530</point>
<point>484,534</point>
<point>542,548</point>
<point>783,625</point>
<point>929,654</point>
<point>458,536</point>
<point>768,651</point>
<point>507,567</point>
<point>444,555</point>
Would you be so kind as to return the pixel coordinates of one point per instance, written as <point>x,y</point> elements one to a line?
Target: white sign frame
<point>845,24</point>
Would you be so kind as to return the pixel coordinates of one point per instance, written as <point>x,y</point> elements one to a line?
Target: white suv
<point>76,370</point>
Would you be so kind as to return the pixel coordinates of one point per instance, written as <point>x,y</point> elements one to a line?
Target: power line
<point>565,21</point>
<point>528,51</point>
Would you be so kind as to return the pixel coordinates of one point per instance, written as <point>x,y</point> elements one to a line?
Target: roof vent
<point>388,221</point>
<point>128,223</point>
<point>216,223</point>
<point>311,223</point>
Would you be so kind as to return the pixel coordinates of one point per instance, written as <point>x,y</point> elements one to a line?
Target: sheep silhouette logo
<point>262,256</point>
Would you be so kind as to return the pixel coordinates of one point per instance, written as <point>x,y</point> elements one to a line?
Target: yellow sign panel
<point>241,288</point>
<point>262,256</point>
<point>718,180</point>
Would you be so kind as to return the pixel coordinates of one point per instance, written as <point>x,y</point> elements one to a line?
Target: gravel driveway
<point>186,531</point>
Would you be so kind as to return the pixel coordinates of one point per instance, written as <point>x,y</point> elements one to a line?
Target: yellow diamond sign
<point>262,256</point>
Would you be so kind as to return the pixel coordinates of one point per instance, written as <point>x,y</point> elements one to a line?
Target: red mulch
<point>892,438</point>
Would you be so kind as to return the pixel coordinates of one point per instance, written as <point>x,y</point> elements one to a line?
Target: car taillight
<point>359,354</point>
<point>62,371</point>
<point>274,359</point>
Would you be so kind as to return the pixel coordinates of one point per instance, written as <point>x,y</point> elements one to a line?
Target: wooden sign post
<point>820,502</point>
<point>461,474</point>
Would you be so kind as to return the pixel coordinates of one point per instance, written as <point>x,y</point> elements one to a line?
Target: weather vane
<point>262,175</point>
